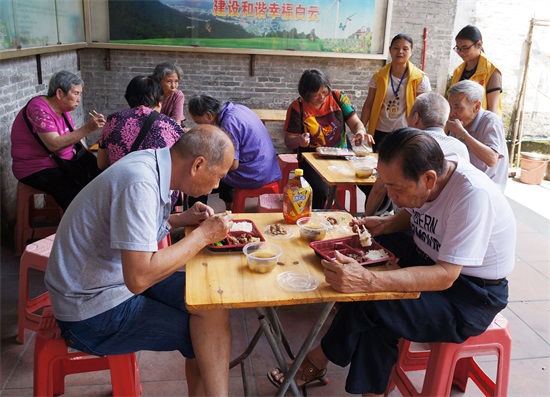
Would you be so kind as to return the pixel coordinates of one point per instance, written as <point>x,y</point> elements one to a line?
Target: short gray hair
<point>473,91</point>
<point>432,109</point>
<point>63,80</point>
<point>204,140</point>
<point>164,69</point>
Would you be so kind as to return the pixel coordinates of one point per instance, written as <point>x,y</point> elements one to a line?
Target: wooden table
<point>223,280</point>
<point>334,172</point>
<point>271,115</point>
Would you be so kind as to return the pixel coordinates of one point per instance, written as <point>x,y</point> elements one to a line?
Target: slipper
<point>307,373</point>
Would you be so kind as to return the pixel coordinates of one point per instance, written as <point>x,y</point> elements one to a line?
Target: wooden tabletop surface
<point>271,115</point>
<point>336,171</point>
<point>223,280</point>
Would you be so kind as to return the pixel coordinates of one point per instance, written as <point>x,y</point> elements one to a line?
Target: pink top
<point>173,106</point>
<point>27,154</point>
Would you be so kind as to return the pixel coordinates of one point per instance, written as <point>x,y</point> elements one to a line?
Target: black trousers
<point>366,334</point>
<point>56,183</point>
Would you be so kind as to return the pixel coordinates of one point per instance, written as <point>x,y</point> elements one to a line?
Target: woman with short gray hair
<point>44,126</point>
<point>169,75</point>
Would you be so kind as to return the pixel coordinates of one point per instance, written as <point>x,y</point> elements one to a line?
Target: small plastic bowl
<point>262,257</point>
<point>363,170</point>
<point>361,151</point>
<point>313,229</point>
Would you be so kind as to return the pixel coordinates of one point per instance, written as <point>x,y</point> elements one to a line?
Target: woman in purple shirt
<point>255,162</point>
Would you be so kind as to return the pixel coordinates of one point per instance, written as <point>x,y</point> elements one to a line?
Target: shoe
<point>307,373</point>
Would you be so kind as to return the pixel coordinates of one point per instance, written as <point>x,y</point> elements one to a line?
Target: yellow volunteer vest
<point>382,79</point>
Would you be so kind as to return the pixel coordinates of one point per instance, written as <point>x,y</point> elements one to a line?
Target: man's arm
<point>144,269</point>
<point>483,152</point>
<point>346,275</point>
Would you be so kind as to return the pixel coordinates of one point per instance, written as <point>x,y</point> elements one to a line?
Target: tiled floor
<point>162,374</point>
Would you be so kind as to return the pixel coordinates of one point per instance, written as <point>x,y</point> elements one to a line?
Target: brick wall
<point>227,77</point>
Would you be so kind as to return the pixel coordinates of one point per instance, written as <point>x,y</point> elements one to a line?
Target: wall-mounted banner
<point>345,26</point>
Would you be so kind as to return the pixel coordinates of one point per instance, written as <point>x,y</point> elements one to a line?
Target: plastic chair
<point>341,192</point>
<point>287,162</point>
<point>34,223</point>
<point>240,196</point>
<point>35,257</point>
<point>452,364</point>
<point>270,203</point>
<point>52,362</point>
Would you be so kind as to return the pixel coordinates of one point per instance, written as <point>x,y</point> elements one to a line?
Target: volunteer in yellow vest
<point>390,100</point>
<point>476,67</point>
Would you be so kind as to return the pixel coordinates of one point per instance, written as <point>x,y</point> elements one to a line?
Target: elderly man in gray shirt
<point>482,131</point>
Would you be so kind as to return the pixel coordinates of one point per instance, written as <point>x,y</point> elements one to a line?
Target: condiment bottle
<point>296,198</point>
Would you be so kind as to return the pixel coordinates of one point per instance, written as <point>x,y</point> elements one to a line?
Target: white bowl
<point>262,257</point>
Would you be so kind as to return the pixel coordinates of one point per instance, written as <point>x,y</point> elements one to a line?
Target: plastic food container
<point>362,170</point>
<point>228,245</point>
<point>313,229</point>
<point>361,151</point>
<point>350,246</point>
<point>262,257</point>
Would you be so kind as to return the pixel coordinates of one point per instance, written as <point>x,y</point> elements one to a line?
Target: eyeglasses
<point>458,50</point>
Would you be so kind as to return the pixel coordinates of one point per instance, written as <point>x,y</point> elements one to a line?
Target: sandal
<point>307,373</point>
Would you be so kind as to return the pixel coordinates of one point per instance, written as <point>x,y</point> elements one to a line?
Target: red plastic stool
<point>52,362</point>
<point>287,162</point>
<point>270,203</point>
<point>341,192</point>
<point>240,196</point>
<point>31,222</point>
<point>452,364</point>
<point>35,257</point>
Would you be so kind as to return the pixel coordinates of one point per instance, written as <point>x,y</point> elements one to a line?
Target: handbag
<point>81,168</point>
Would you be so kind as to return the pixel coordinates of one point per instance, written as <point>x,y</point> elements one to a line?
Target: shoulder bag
<point>82,168</point>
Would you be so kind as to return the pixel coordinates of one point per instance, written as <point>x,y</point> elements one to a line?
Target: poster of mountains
<point>343,26</point>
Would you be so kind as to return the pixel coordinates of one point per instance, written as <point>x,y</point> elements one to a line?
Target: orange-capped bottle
<point>296,198</point>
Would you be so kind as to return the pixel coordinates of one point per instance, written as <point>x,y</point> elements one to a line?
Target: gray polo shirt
<point>488,129</point>
<point>125,208</point>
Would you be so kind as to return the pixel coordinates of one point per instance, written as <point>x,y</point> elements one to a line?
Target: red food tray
<point>348,245</point>
<point>226,247</point>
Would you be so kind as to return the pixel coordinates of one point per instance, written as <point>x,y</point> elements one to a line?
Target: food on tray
<point>332,220</point>
<point>364,236</point>
<point>334,151</point>
<point>371,255</point>
<point>277,229</point>
<point>241,227</point>
<point>244,238</point>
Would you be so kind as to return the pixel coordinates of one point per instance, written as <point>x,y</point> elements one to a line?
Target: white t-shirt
<point>385,123</point>
<point>449,145</point>
<point>470,223</point>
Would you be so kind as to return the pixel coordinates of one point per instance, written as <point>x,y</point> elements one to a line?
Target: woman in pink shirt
<point>52,124</point>
<point>169,75</point>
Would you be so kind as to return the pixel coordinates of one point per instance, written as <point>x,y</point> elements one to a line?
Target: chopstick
<point>96,114</point>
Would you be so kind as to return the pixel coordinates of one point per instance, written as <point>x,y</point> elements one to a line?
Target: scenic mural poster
<point>344,26</point>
